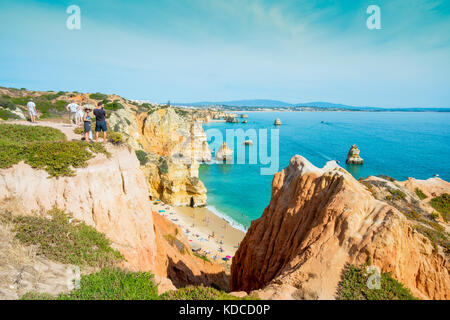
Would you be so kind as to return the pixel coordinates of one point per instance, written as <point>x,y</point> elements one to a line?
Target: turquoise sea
<point>397,144</point>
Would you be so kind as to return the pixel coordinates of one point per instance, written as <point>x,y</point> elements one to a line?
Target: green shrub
<point>13,133</point>
<point>43,148</point>
<point>115,137</point>
<point>442,205</point>
<point>353,286</point>
<point>420,194</point>
<point>397,194</point>
<point>202,256</point>
<point>142,157</point>
<point>64,240</point>
<point>5,115</point>
<point>98,96</point>
<point>109,284</point>
<point>113,106</point>
<point>200,293</point>
<point>7,103</point>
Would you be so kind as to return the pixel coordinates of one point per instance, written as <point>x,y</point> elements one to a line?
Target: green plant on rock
<point>200,293</point>
<point>353,286</point>
<point>115,137</point>
<point>420,194</point>
<point>142,157</point>
<point>442,205</point>
<point>109,284</point>
<point>44,148</point>
<point>63,239</point>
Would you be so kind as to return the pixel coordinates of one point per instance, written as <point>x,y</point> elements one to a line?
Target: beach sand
<point>216,237</point>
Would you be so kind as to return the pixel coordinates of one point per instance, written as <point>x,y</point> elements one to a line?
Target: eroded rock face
<point>318,220</point>
<point>110,194</point>
<point>176,261</point>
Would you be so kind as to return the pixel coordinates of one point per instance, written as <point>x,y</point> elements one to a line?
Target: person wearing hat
<point>31,106</point>
<point>87,123</point>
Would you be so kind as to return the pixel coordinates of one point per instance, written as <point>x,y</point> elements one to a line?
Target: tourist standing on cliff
<point>80,114</point>
<point>72,107</point>
<point>32,110</point>
<point>100,122</point>
<point>87,124</point>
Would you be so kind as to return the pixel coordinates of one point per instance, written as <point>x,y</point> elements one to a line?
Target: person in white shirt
<point>31,106</point>
<point>72,107</point>
<point>80,115</point>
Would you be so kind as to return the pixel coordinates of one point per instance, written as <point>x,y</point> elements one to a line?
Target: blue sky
<point>215,50</point>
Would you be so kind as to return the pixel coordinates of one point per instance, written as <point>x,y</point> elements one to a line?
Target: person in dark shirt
<point>100,122</point>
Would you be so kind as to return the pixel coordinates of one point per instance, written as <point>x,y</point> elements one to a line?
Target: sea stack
<point>224,153</point>
<point>353,156</point>
<point>244,116</point>
<point>248,142</point>
<point>278,122</point>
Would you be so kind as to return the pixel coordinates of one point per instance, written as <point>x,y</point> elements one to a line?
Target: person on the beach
<point>31,106</point>
<point>87,124</point>
<point>100,122</point>
<point>79,115</point>
<point>72,107</point>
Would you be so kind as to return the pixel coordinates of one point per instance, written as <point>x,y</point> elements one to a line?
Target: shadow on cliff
<point>181,276</point>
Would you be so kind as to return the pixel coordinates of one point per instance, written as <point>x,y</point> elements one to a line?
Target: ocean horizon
<point>396,144</point>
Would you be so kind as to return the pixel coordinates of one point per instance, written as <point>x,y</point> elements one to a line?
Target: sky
<point>218,50</point>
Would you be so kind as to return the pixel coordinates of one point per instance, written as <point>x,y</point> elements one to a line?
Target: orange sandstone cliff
<point>318,220</point>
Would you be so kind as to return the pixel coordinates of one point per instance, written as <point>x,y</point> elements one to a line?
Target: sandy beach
<point>216,237</point>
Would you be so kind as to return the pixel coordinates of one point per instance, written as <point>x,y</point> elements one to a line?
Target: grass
<point>396,195</point>
<point>64,240</point>
<point>200,293</point>
<point>353,286</point>
<point>108,284</point>
<point>44,148</point>
<point>115,138</point>
<point>13,133</point>
<point>420,194</point>
<point>442,205</point>
<point>6,114</point>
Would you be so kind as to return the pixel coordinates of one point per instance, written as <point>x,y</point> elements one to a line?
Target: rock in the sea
<point>319,220</point>
<point>278,122</point>
<point>353,156</point>
<point>248,142</point>
<point>244,116</point>
<point>224,153</point>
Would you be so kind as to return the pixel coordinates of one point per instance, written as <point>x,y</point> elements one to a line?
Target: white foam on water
<point>230,221</point>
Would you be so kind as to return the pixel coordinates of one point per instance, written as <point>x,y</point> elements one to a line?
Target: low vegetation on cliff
<point>44,148</point>
<point>200,293</point>
<point>63,239</point>
<point>354,286</point>
<point>442,205</point>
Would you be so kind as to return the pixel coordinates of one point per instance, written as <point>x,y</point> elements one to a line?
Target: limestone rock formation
<point>248,142</point>
<point>353,156</point>
<point>244,116</point>
<point>318,220</point>
<point>174,147</point>
<point>278,122</point>
<point>224,153</point>
<point>110,194</point>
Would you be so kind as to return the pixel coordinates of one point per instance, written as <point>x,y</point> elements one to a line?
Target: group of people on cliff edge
<point>78,116</point>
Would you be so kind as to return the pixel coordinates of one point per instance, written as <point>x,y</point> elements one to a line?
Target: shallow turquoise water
<point>397,144</point>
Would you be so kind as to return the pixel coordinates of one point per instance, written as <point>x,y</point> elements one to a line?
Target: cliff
<point>320,220</point>
<point>110,194</point>
<point>174,148</point>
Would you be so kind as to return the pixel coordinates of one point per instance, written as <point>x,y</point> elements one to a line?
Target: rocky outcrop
<point>433,187</point>
<point>278,122</point>
<point>224,153</point>
<point>110,194</point>
<point>353,156</point>
<point>318,220</point>
<point>174,146</point>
